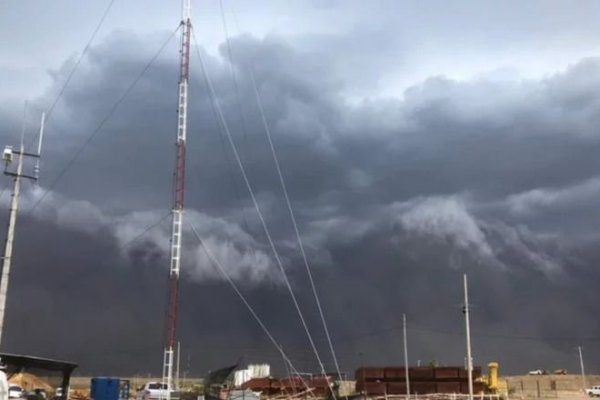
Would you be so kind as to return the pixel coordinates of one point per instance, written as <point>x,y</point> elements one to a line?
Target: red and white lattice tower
<point>178,199</point>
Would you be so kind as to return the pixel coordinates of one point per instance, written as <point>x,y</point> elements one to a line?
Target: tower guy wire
<point>99,127</point>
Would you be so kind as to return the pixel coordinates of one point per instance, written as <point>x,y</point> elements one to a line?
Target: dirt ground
<point>525,387</point>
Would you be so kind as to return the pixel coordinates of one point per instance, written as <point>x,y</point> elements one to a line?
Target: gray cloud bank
<point>396,198</point>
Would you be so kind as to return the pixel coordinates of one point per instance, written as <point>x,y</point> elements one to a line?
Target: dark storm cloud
<point>395,198</point>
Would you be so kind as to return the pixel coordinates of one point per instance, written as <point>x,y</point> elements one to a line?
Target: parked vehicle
<point>15,392</point>
<point>536,372</point>
<point>152,391</point>
<point>58,393</point>
<point>37,394</point>
<point>560,371</point>
<point>594,391</point>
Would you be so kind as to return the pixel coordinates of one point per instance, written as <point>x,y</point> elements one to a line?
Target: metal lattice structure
<point>178,200</point>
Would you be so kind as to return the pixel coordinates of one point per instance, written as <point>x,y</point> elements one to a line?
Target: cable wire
<point>77,63</point>
<point>238,96</point>
<point>102,122</point>
<point>294,223</point>
<point>215,262</point>
<point>483,335</point>
<point>234,182</point>
<point>146,230</point>
<point>225,127</point>
<point>289,207</point>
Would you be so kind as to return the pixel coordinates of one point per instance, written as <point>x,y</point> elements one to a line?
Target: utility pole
<point>8,156</point>
<point>583,383</point>
<point>405,357</point>
<point>468,335</point>
<point>178,200</point>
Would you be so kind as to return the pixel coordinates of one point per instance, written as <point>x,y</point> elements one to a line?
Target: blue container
<point>104,388</point>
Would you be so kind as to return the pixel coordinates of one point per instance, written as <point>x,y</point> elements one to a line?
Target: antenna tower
<point>178,199</point>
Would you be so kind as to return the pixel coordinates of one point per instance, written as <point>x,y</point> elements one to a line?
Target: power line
<point>484,335</point>
<point>512,336</point>
<point>102,123</point>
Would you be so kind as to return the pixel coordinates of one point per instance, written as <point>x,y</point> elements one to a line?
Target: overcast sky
<point>419,140</point>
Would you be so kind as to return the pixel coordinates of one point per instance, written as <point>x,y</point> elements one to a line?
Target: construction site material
<point>420,373</point>
<point>371,388</point>
<point>423,387</point>
<point>345,388</point>
<point>448,387</point>
<point>463,373</point>
<point>446,373</point>
<point>394,373</point>
<point>396,388</point>
<point>423,380</point>
<point>318,386</point>
<point>252,371</point>
<point>243,395</point>
<point>79,394</point>
<point>439,396</point>
<point>29,382</point>
<point>369,374</point>
<point>478,387</point>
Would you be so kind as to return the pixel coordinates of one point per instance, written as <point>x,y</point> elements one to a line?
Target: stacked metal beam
<point>318,386</point>
<point>378,381</point>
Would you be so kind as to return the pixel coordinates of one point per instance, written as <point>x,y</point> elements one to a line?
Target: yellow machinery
<point>492,382</point>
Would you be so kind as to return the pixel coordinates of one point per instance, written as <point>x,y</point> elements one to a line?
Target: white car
<point>536,372</point>
<point>38,393</point>
<point>152,391</point>
<point>15,392</point>
<point>594,391</point>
